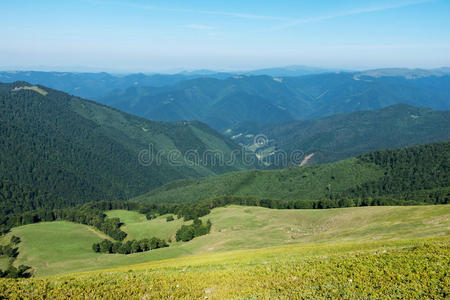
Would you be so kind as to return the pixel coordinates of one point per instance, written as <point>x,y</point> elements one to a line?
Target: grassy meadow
<point>138,227</point>
<point>415,268</point>
<point>62,247</point>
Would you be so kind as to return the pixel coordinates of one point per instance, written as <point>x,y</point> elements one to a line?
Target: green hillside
<point>234,228</point>
<point>397,269</point>
<point>405,173</point>
<point>57,150</point>
<point>348,135</point>
<point>295,183</point>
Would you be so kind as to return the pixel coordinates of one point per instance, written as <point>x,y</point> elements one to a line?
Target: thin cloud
<point>194,11</point>
<point>291,22</point>
<point>199,27</point>
<point>349,13</point>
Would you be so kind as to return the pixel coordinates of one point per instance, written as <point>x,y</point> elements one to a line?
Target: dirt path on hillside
<point>99,234</point>
<point>306,159</point>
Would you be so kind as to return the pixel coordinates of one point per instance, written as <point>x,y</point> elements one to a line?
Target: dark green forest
<point>412,176</point>
<point>416,174</point>
<point>58,151</point>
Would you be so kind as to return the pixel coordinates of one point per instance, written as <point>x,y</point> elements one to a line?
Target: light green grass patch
<point>32,88</point>
<point>138,227</point>
<point>4,262</point>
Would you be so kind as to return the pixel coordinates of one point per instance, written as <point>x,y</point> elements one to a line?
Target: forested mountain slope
<point>68,150</point>
<point>418,174</point>
<point>347,135</point>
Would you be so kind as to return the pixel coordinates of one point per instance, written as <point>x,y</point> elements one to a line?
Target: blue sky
<point>151,36</point>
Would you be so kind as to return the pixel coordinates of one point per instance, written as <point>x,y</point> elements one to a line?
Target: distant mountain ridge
<point>223,100</point>
<point>288,71</point>
<point>224,103</point>
<point>405,72</point>
<point>95,85</point>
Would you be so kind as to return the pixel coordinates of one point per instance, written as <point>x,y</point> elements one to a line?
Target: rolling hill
<point>234,228</point>
<point>223,103</point>
<point>347,135</point>
<point>58,150</point>
<point>407,174</point>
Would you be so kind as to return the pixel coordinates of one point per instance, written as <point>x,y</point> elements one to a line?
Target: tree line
<point>133,246</point>
<point>88,214</point>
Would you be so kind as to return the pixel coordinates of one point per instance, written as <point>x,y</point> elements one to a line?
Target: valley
<point>67,151</point>
<point>225,150</point>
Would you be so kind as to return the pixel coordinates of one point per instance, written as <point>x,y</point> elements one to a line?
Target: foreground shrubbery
<point>410,270</point>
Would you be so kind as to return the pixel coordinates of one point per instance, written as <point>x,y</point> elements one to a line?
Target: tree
<point>105,246</point>
<point>96,247</point>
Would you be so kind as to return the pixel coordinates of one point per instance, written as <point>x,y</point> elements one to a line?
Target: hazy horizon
<point>155,36</point>
<point>81,69</point>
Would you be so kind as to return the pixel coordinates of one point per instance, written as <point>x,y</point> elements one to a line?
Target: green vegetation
<point>129,247</point>
<point>409,170</point>
<point>304,183</point>
<point>197,228</point>
<point>8,254</point>
<point>399,269</point>
<point>57,151</point>
<point>138,227</point>
<point>414,175</point>
<point>233,228</point>
<point>348,135</point>
<point>89,214</point>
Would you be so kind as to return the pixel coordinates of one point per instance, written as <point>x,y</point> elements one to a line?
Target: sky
<point>169,36</point>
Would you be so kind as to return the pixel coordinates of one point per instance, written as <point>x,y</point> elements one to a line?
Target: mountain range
<point>224,103</point>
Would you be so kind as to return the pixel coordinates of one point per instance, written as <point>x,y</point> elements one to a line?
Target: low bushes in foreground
<point>375,270</point>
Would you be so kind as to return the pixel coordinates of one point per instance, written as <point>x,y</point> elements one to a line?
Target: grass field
<point>138,227</point>
<point>61,247</point>
<point>4,262</point>
<point>32,88</point>
<point>401,269</point>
